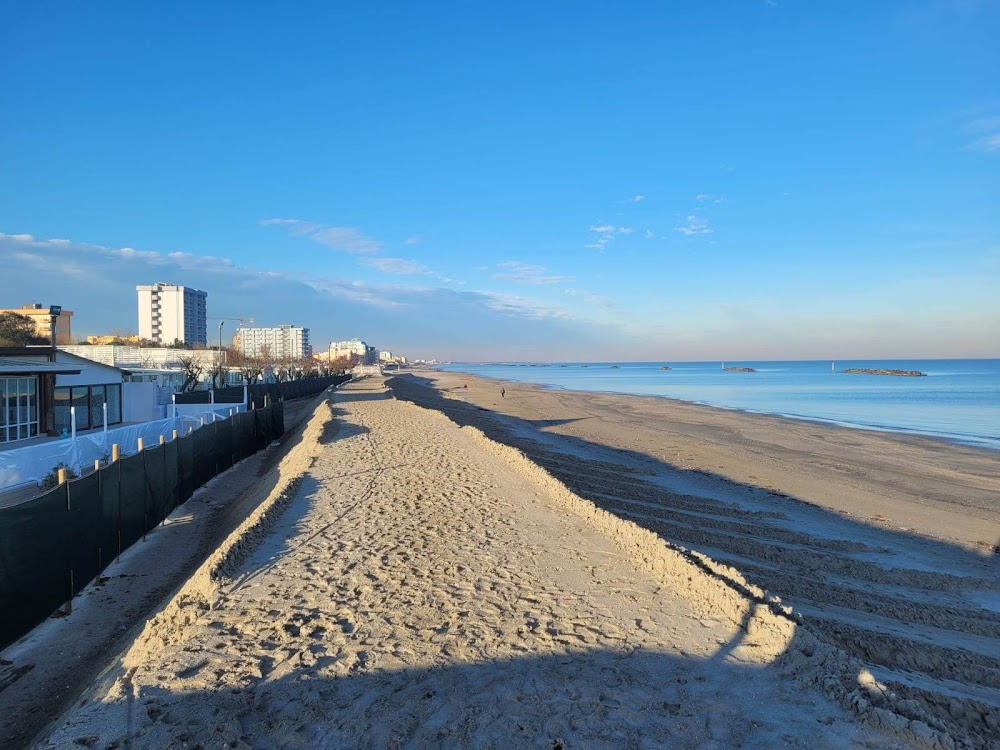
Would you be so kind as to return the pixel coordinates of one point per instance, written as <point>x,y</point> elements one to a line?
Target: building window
<point>18,408</point>
<point>89,401</point>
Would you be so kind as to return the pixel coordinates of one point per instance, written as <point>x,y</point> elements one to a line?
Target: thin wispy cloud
<point>605,234</point>
<point>594,299</point>
<point>637,199</point>
<point>986,134</point>
<point>523,307</point>
<point>695,225</point>
<point>707,198</point>
<point>324,303</point>
<point>400,266</point>
<point>525,273</point>
<point>353,241</point>
<point>345,239</point>
<point>296,227</point>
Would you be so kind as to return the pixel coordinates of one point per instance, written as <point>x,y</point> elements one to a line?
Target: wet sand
<point>909,483</point>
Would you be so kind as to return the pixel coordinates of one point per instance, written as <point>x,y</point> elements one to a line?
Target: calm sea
<point>959,399</point>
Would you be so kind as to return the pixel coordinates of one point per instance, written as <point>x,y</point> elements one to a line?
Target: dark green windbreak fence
<point>53,546</point>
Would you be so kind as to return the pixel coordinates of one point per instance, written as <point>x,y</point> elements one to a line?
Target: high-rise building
<point>282,342</point>
<point>168,312</point>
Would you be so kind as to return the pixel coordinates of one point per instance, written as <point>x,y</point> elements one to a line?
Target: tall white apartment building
<point>283,342</point>
<point>168,312</point>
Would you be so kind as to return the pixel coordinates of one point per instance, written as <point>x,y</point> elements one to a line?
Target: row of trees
<point>257,368</point>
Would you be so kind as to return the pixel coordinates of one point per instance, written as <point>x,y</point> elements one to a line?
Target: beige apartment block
<point>43,321</point>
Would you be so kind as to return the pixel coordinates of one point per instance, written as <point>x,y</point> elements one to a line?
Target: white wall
<point>139,403</point>
<point>91,373</point>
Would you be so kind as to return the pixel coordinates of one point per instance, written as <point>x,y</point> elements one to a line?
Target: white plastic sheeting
<point>20,466</point>
<point>194,410</point>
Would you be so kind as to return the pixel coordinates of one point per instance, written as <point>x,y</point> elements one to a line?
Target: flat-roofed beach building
<point>169,313</point>
<point>282,342</point>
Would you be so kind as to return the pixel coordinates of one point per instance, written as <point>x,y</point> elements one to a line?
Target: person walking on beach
<point>503,393</point>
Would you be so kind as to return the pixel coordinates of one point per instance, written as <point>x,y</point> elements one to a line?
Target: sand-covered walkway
<point>424,587</point>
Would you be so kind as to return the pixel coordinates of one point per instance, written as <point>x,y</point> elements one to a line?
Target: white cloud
<point>986,132</point>
<point>296,227</point>
<point>43,265</point>
<point>637,199</point>
<point>706,198</point>
<point>988,143</point>
<point>131,252</point>
<point>326,304</point>
<point>649,235</point>
<point>414,240</point>
<point>397,265</point>
<point>593,299</point>
<point>347,239</point>
<point>522,307</point>
<point>524,273</point>
<point>695,225</point>
<point>605,233</point>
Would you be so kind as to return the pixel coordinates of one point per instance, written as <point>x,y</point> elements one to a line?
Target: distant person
<point>503,393</point>
<point>465,385</point>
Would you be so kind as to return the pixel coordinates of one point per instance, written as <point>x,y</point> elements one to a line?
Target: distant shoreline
<point>987,443</point>
<point>802,457</point>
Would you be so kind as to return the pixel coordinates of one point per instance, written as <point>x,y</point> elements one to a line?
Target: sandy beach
<point>479,578</point>
<point>884,544</point>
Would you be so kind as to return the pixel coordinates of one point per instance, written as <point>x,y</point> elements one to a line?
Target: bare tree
<point>341,364</point>
<point>248,365</point>
<point>192,372</point>
<point>266,360</point>
<point>219,369</point>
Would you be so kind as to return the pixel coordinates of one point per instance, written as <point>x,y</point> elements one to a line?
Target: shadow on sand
<point>921,614</point>
<point>599,698</point>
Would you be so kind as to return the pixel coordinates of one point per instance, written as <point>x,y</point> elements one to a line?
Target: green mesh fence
<point>54,545</point>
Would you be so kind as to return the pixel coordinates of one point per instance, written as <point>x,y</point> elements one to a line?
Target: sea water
<point>958,400</point>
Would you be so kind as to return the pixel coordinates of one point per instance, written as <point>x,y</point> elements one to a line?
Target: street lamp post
<point>221,323</point>
<point>54,312</point>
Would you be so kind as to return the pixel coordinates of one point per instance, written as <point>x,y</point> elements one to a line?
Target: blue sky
<point>504,181</point>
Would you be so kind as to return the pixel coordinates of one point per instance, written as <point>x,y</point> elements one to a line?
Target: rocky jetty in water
<point>664,367</point>
<point>739,369</point>
<point>898,373</point>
